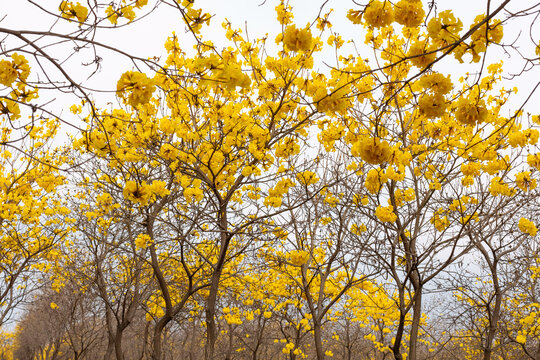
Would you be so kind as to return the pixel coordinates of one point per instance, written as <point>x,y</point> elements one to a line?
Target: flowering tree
<point>202,183</point>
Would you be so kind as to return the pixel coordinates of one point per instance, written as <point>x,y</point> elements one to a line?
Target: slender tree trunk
<point>145,341</point>
<point>110,349</point>
<point>118,341</point>
<point>157,343</point>
<point>495,314</point>
<point>317,333</point>
<point>211,331</point>
<point>396,348</point>
<point>110,335</point>
<point>417,315</point>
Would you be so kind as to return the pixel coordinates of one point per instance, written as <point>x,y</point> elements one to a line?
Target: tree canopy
<point>310,193</point>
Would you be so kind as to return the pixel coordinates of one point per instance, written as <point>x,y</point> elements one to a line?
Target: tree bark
<point>417,315</point>
<point>493,315</point>
<point>318,342</point>
<point>211,332</point>
<point>156,341</point>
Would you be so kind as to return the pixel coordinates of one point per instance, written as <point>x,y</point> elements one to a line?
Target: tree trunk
<point>396,348</point>
<point>211,332</point>
<point>318,341</point>
<point>495,314</point>
<point>118,341</point>
<point>158,330</point>
<point>417,315</point>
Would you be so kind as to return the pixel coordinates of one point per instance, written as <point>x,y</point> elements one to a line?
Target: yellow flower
<point>409,13</point>
<point>135,192</point>
<point>168,152</point>
<point>307,178</point>
<point>167,125</point>
<point>445,27</point>
<point>231,76</point>
<point>372,150</point>
<point>10,70</point>
<point>386,214</point>
<point>70,11</point>
<point>534,160</point>
<point>142,241</point>
<point>432,105</point>
<point>417,54</point>
<point>297,39</point>
<point>471,112</point>
<point>374,180</point>
<point>135,88</point>
<point>438,83</point>
<point>527,227</point>
<point>8,73</point>
<point>193,194</point>
<point>355,16</point>
<point>379,13</point>
<point>337,101</point>
<point>159,188</point>
<point>471,168</point>
<point>358,229</point>
<point>126,11</point>
<point>499,187</point>
<point>299,257</point>
<point>524,181</point>
<point>284,15</point>
<point>440,222</point>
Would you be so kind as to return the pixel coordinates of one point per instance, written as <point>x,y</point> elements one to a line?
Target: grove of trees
<point>295,195</point>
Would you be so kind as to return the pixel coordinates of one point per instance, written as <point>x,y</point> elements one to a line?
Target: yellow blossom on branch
<point>527,227</point>
<point>385,214</point>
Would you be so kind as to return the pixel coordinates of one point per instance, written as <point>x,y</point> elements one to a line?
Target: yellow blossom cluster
<point>409,12</point>
<point>297,39</point>
<point>402,196</point>
<point>444,29</point>
<point>439,220</point>
<point>142,241</point>
<point>524,181</point>
<point>521,138</point>
<point>374,180</point>
<point>499,187</point>
<point>231,75</point>
<point>385,213</point>
<point>337,101</point>
<point>421,54</point>
<point>527,227</point>
<point>534,160</point>
<point>307,178</point>
<point>113,14</point>
<point>470,111</point>
<point>298,257</point>
<point>432,105</point>
<point>70,10</point>
<point>275,195</point>
<point>142,192</point>
<point>379,13</point>
<point>135,88</point>
<point>372,150</point>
